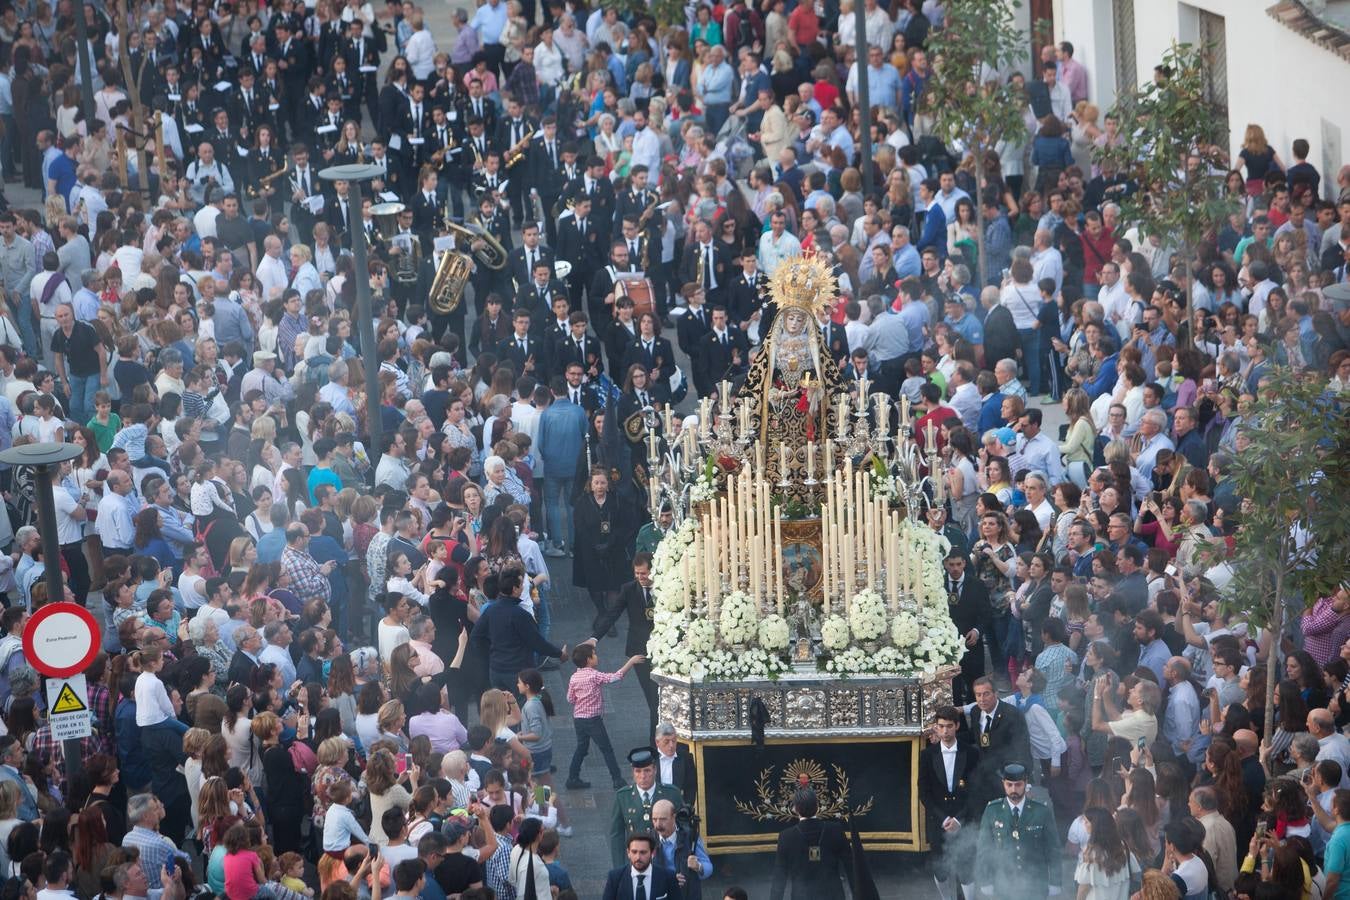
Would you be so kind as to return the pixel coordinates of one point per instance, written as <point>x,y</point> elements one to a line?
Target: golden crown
<point>804,282</point>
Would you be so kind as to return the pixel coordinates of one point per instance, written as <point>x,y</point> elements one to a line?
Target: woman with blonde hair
<point>1259,159</point>
<point>1080,442</point>
<point>333,755</point>
<point>1083,134</point>
<point>498,712</point>
<point>391,720</point>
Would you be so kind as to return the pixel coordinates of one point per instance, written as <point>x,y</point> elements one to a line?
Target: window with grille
<point>1212,38</point>
<point>1122,25</point>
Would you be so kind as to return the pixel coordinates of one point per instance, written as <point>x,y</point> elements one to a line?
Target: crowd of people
<point>326,657</point>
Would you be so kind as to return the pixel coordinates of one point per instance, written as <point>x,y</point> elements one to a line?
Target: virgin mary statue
<point>793,379</point>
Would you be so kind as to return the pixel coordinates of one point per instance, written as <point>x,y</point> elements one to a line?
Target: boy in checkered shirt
<point>584,693</point>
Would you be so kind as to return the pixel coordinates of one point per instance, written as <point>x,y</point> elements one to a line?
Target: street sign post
<point>68,708</point>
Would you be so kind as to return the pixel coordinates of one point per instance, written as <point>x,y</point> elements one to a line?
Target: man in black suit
<point>967,601</point>
<point>811,854</point>
<point>584,395</point>
<point>622,333</point>
<point>723,353</point>
<point>674,764</point>
<point>946,774</point>
<point>579,244</point>
<point>342,84</point>
<point>635,599</point>
<point>541,295</point>
<point>248,643</point>
<point>695,323</point>
<point>426,209</point>
<point>525,353</point>
<point>293,64</point>
<point>1000,732</point>
<point>477,105</point>
<point>522,260</point>
<point>651,351</point>
<point>640,879</point>
<point>340,213</point>
<point>746,294</point>
<point>580,346</point>
<point>361,52</point>
<point>546,175</point>
<point>248,105</point>
<point>513,134</point>
<point>706,264</point>
<point>834,336</point>
<point>593,185</point>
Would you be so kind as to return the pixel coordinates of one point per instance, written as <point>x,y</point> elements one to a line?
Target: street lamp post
<point>45,459</point>
<point>357,174</point>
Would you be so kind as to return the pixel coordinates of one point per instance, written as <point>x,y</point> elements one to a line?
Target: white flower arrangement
<point>703,489</point>
<point>866,615</point>
<point>668,588</point>
<point>905,630</point>
<point>774,633</point>
<point>737,617</point>
<point>702,637</point>
<point>834,633</point>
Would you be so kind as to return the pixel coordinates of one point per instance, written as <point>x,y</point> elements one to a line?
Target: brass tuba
<point>447,288</point>
<point>491,254</point>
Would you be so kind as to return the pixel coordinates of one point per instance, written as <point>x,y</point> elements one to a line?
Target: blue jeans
<point>82,390</point>
<point>543,618</point>
<point>558,510</point>
<point>1031,357</point>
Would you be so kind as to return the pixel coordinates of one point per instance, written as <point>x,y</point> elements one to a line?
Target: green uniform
<point>631,816</point>
<point>1018,856</point>
<point>648,537</point>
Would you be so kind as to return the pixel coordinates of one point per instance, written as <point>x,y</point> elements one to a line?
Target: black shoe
<point>576,784</point>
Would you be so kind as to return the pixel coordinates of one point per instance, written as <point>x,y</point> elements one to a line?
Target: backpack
<point>745,32</point>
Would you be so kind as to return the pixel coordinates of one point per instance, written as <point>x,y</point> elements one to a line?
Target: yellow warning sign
<point>68,702</point>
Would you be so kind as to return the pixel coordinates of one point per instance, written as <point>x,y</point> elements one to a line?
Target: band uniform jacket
<point>1006,741</point>
<point>717,359</point>
<point>941,801</point>
<point>367,54</point>
<point>1022,858</point>
<point>602,200</point>
<point>442,137</point>
<point>583,252</point>
<point>427,217</point>
<point>811,856</point>
<point>521,276</point>
<point>836,340</point>
<point>545,173</point>
<point>654,355</point>
<point>251,110</point>
<point>506,127</point>
<point>481,109</point>
<point>483,182</point>
<point>487,333</point>
<point>632,204</point>
<point>691,327</point>
<point>617,341</point>
<point>539,302</point>
<point>640,607</point>
<point>601,285</point>
<point>631,816</point>
<point>721,265</point>
<point>745,296</point>
<point>342,227</point>
<point>532,359</point>
<point>587,352</point>
<point>660,884</point>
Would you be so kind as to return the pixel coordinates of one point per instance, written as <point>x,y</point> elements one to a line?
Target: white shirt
<point>272,276</point>
<point>281,658</point>
<point>421,53</point>
<point>646,149</point>
<point>949,764</point>
<point>205,221</point>
<point>667,775</point>
<point>68,531</point>
<point>548,64</point>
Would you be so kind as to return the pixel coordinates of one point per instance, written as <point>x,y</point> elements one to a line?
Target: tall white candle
<point>778,564</point>
<point>810,460</point>
<point>782,462</point>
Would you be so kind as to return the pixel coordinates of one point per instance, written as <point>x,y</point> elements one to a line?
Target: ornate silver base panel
<point>802,705</point>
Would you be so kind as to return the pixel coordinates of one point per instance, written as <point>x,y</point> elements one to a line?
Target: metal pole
<point>51,570</point>
<point>365,324</point>
<point>86,63</point>
<point>864,100</point>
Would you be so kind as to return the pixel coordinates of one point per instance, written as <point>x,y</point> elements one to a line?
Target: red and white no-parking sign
<point>61,639</point>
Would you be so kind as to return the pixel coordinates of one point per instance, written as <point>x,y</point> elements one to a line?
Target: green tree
<point>973,106</point>
<point>1292,472</point>
<point>1172,146</point>
<point>665,12</point>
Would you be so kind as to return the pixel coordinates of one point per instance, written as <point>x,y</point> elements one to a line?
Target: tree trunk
<point>1277,629</point>
<point>977,273</point>
<point>138,120</point>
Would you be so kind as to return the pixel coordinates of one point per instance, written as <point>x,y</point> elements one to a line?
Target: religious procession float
<point>801,633</point>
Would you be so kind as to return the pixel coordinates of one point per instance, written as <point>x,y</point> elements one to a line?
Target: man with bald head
<point>272,277</point>
<point>673,852</point>
<point>845,253</point>
<point>1332,744</point>
<point>1182,719</point>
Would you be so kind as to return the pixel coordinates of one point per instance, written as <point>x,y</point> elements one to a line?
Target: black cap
<point>1013,772</point>
<point>642,757</point>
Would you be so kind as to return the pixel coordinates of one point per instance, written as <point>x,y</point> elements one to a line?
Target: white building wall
<point>1277,78</point>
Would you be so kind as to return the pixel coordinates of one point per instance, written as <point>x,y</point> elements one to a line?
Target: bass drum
<point>640,292</point>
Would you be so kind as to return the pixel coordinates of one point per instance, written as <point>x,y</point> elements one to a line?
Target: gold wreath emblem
<point>773,800</point>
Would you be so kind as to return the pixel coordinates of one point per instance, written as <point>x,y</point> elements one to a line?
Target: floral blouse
<point>325,778</point>
<point>998,584</point>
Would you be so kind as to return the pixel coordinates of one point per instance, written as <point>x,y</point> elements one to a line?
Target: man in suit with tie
<point>523,351</point>
<point>1000,732</point>
<point>706,264</point>
<point>304,183</point>
<point>576,389</point>
<point>513,136</point>
<point>651,351</point>
<point>578,347</point>
<point>426,210</point>
<point>622,333</point>
<point>811,854</point>
<point>546,175</point>
<point>635,599</point>
<point>833,335</point>
<point>680,851</point>
<point>946,774</point>
<point>540,295</point>
<point>11,769</point>
<point>292,58</point>
<point>745,296</point>
<point>578,243</point>
<point>675,764</point>
<point>694,324</point>
<point>600,190</point>
<point>967,601</point>
<point>477,105</point>
<point>340,213</point>
<point>641,879</point>
<point>361,52</point>
<point>723,353</point>
<point>521,263</point>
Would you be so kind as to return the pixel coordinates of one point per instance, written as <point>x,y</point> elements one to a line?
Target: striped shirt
<point>583,691</point>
